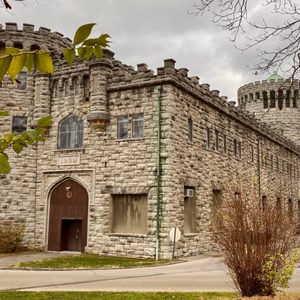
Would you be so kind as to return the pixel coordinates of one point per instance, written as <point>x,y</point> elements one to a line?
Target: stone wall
<point>281,113</point>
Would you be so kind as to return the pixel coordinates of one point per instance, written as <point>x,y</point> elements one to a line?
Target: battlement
<point>29,38</point>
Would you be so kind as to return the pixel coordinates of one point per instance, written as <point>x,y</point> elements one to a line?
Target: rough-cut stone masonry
<point>159,166</point>
<point>276,102</point>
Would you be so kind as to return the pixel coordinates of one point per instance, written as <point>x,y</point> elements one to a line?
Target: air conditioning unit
<point>188,192</point>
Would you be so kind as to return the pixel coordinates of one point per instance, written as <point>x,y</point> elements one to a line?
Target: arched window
<point>272,99</point>
<point>76,86</point>
<point>280,99</point>
<point>35,47</point>
<point>70,133</point>
<point>18,45</point>
<point>265,99</point>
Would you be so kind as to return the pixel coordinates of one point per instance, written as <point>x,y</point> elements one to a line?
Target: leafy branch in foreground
<point>20,141</point>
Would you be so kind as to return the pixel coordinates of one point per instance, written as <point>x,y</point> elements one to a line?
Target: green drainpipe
<point>258,166</point>
<point>158,174</point>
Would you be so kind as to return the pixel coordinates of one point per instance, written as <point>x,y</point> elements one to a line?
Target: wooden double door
<point>68,217</point>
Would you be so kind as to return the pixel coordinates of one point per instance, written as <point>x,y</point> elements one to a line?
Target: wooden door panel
<point>69,200</point>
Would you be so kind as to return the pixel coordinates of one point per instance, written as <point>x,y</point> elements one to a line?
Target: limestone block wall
<point>269,165</point>
<point>280,110</point>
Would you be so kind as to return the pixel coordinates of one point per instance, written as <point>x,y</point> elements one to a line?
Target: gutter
<point>158,173</point>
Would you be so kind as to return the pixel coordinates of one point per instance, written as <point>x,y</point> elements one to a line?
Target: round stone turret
<point>276,102</point>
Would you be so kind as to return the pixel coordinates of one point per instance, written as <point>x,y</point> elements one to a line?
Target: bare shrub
<point>11,236</point>
<point>258,243</point>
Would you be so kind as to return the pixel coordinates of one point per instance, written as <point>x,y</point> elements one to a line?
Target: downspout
<point>158,173</point>
<point>258,166</point>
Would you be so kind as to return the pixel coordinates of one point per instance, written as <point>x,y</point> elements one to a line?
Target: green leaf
<point>4,65</point>
<point>4,113</point>
<point>90,42</point>
<point>82,33</point>
<point>9,137</point>
<point>29,63</point>
<point>4,164</point>
<point>16,65</point>
<point>103,40</point>
<point>81,52</point>
<point>12,51</point>
<point>98,52</point>
<point>69,55</point>
<point>44,63</point>
<point>44,122</point>
<point>88,52</point>
<point>18,146</point>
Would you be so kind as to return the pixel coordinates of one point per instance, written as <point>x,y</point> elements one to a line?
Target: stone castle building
<point>133,153</point>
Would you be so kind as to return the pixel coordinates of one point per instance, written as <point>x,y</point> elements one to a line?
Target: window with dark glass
<point>265,99</point>
<point>208,137</point>
<point>272,99</point>
<point>70,133</point>
<point>122,128</point>
<point>138,125</point>
<point>19,124</point>
<point>22,81</point>
<point>295,99</point>
<point>190,129</point>
<point>288,98</point>
<point>237,148</point>
<point>217,139</point>
<point>280,99</point>
<point>225,143</point>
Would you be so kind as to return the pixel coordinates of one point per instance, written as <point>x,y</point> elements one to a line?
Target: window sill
<point>69,150</point>
<point>190,234</point>
<point>140,235</point>
<point>130,139</point>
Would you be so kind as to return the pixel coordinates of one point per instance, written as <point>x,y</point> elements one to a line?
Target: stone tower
<point>276,102</point>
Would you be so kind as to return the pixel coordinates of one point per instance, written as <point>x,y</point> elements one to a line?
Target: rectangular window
<point>217,139</point>
<point>189,210</point>
<point>225,143</point>
<point>237,196</point>
<point>19,124</point>
<point>22,81</point>
<point>138,125</point>
<point>129,214</point>
<point>122,127</point>
<point>278,204</point>
<point>264,203</point>
<point>217,203</point>
<point>190,129</point>
<point>237,149</point>
<point>290,208</point>
<point>252,153</point>
<point>208,137</point>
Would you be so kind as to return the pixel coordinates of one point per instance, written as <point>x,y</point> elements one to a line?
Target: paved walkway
<point>197,274</point>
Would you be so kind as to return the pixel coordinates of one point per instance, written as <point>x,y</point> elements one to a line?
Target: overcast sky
<point>148,31</point>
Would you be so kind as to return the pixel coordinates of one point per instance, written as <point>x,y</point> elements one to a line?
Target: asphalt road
<point>198,274</point>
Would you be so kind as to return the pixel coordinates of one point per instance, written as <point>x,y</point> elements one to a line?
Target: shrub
<point>11,236</point>
<point>258,243</point>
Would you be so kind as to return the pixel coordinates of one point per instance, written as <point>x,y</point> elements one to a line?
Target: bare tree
<point>271,27</point>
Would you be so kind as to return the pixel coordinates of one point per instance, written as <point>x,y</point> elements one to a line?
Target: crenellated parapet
<point>271,93</point>
<point>30,38</point>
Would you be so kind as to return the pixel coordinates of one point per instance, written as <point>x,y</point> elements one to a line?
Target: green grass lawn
<point>112,296</point>
<point>86,261</point>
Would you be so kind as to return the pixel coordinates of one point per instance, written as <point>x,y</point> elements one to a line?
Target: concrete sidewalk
<point>197,274</point>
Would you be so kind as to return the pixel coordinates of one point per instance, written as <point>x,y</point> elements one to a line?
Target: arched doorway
<point>68,217</point>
